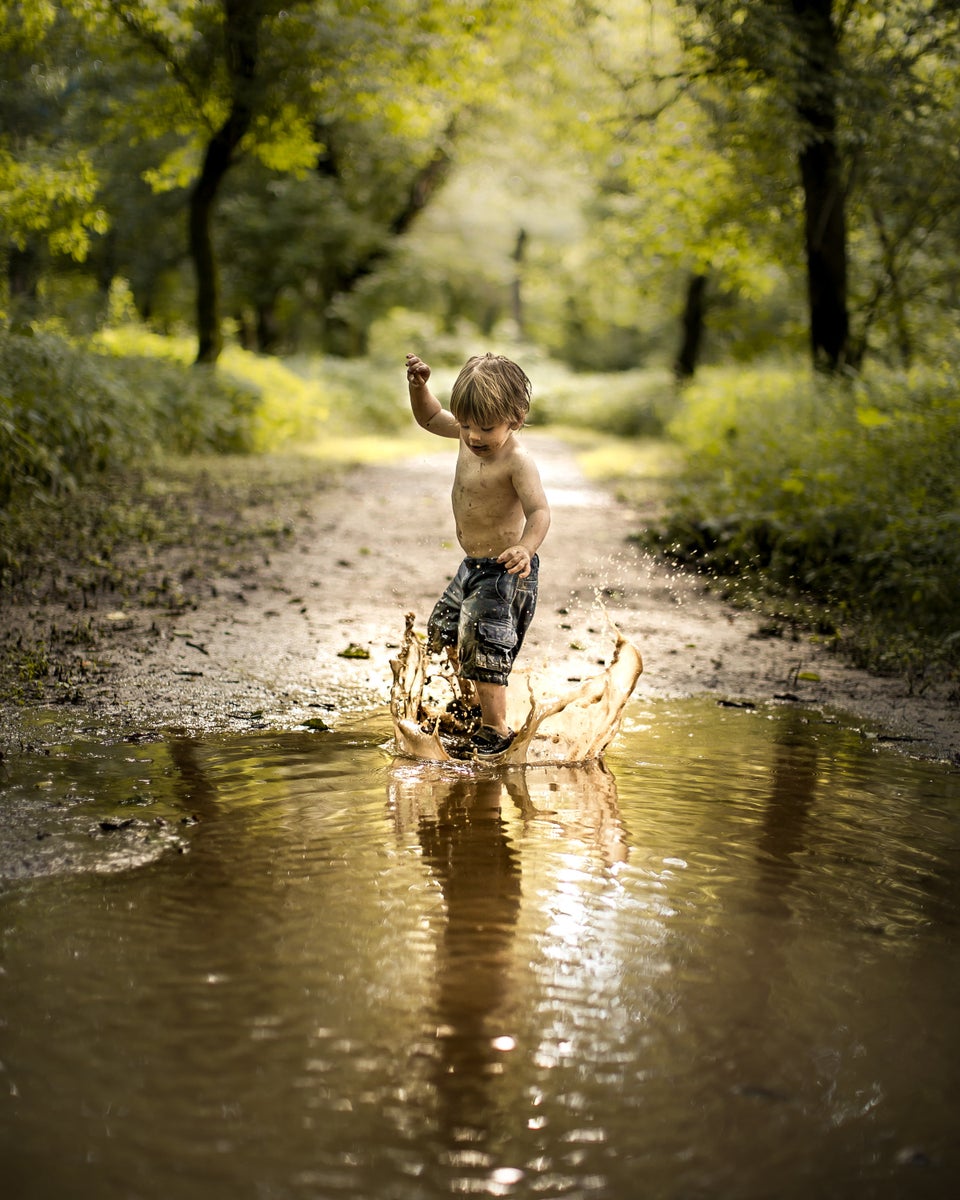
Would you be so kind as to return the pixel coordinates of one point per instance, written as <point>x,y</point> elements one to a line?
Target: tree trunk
<point>823,192</point>
<point>516,291</point>
<point>268,327</point>
<point>685,364</point>
<point>209,336</point>
<point>241,31</point>
<point>23,274</point>
<point>246,328</point>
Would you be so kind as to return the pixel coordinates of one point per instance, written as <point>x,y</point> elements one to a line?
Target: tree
<point>905,201</point>
<point>821,171</point>
<point>263,80</point>
<point>782,56</point>
<point>48,185</point>
<point>242,20</point>
<point>848,88</point>
<point>679,223</point>
<point>213,53</point>
<point>311,242</point>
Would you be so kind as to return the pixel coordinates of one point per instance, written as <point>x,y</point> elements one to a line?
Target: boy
<point>501,515</point>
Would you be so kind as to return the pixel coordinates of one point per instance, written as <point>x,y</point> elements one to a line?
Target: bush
<point>248,402</point>
<point>61,417</point>
<point>183,408</point>
<point>67,415</point>
<point>842,491</point>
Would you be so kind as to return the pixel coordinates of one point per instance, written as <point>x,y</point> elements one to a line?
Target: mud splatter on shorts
<point>485,612</point>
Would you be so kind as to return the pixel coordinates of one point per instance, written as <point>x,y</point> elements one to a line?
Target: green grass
<point>643,472</point>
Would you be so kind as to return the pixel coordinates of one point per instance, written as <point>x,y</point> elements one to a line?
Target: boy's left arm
<point>536,512</point>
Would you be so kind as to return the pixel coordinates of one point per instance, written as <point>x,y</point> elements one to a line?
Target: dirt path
<point>266,650</point>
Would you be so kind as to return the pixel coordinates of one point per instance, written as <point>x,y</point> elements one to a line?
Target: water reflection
<point>466,847</point>
<point>472,851</point>
<point>193,781</point>
<point>794,781</point>
<point>731,958</point>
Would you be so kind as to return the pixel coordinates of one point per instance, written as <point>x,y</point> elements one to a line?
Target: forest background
<point>723,238</point>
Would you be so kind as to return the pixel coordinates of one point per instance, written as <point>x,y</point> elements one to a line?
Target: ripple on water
<point>728,956</point>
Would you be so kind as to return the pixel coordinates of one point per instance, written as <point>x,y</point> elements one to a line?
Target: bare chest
<point>482,486</point>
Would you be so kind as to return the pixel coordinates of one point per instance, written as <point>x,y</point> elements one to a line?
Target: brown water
<point>728,966</point>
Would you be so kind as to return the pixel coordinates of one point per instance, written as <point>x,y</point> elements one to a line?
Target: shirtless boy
<point>502,516</point>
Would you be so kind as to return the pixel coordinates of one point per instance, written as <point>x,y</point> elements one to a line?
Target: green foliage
<point>845,492</point>
<point>879,82</point>
<point>342,117</point>
<point>275,403</point>
<point>628,404</point>
<point>67,414</point>
<point>48,182</point>
<point>60,418</point>
<point>50,195</point>
<point>396,151</point>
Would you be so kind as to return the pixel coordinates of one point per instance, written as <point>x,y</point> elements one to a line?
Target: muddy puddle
<point>724,963</point>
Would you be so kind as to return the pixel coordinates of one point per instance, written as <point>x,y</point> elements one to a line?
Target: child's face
<point>485,440</point>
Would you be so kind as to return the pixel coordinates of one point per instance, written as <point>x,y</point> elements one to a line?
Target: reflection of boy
<point>501,515</point>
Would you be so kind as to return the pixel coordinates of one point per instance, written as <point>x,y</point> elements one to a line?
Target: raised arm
<point>428,412</point>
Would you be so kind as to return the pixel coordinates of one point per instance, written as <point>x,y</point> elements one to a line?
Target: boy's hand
<point>517,561</point>
<point>417,371</point>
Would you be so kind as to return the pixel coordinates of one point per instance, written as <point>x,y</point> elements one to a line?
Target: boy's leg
<point>496,613</point>
<point>493,705</point>
<point>443,626</point>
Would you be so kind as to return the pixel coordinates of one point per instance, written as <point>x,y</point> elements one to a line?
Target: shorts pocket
<point>496,633</point>
<point>507,586</point>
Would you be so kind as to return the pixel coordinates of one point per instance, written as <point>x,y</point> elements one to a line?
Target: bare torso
<point>486,505</point>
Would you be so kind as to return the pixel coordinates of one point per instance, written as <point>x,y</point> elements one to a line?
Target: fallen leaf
<point>354,651</point>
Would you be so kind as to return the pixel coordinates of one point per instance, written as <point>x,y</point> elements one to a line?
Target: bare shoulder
<point>521,461</point>
<point>525,477</point>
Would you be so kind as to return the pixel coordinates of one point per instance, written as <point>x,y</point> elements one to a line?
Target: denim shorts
<point>485,613</point>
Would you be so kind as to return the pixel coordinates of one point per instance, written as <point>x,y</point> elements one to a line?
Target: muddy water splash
<point>573,725</point>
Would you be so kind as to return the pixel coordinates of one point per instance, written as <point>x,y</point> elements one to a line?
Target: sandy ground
<point>266,650</point>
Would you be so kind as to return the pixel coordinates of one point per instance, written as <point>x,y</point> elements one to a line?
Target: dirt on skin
<point>304,634</point>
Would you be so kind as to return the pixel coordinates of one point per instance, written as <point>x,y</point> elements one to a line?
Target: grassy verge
<point>831,503</point>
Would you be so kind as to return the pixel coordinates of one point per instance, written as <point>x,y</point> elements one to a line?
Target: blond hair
<point>491,390</point>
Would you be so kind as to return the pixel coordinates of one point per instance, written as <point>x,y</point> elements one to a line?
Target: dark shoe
<point>487,742</point>
<point>458,747</point>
